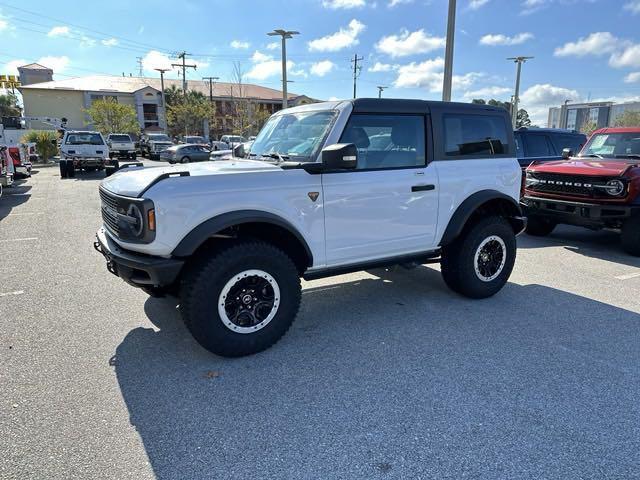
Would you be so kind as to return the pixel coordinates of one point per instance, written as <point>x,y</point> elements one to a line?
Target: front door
<point>388,205</point>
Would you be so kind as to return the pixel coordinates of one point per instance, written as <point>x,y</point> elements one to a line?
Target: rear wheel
<point>539,226</point>
<point>630,236</point>
<point>480,261</point>
<point>242,299</point>
<point>185,160</point>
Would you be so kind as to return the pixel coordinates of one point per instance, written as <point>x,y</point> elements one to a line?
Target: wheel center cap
<point>246,299</point>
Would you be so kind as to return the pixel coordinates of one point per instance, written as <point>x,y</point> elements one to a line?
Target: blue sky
<point>584,49</point>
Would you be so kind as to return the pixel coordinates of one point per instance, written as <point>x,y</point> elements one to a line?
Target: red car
<point>599,188</point>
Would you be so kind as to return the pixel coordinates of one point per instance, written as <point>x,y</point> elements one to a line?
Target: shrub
<point>45,140</point>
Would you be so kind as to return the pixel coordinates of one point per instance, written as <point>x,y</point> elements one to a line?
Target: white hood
<point>130,183</point>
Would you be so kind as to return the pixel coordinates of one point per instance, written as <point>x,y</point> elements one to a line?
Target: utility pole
<point>516,97</point>
<point>356,72</point>
<point>184,67</point>
<point>139,60</point>
<point>164,103</point>
<point>448,53</point>
<point>380,89</point>
<point>211,82</point>
<point>285,34</point>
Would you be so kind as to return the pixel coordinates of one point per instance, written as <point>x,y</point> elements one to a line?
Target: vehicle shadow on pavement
<point>13,197</point>
<point>396,377</point>
<point>604,245</point>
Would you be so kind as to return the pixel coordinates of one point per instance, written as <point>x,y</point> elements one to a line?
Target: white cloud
<point>273,46</point>
<point>382,67</point>
<point>57,64</point>
<point>61,31</point>
<point>320,69</point>
<point>427,74</point>
<point>4,24</point>
<point>344,38</point>
<point>633,6</point>
<point>110,42</point>
<point>154,59</point>
<point>500,39</point>
<point>238,45</point>
<point>265,66</point>
<point>333,99</point>
<point>343,4</point>
<point>629,57</point>
<point>12,67</point>
<point>87,42</point>
<point>409,43</point>
<point>476,4</point>
<point>633,77</point>
<point>260,57</point>
<point>538,98</point>
<point>393,3</point>
<point>598,43</point>
<point>494,92</point>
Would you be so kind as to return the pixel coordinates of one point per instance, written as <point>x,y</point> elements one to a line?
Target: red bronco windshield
<point>613,145</point>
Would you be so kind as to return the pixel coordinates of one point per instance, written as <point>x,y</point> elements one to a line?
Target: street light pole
<point>516,97</point>
<point>285,34</point>
<point>448,54</point>
<point>164,104</point>
<point>380,89</point>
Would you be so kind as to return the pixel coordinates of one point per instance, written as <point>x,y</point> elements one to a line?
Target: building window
<point>593,115</point>
<point>572,116</point>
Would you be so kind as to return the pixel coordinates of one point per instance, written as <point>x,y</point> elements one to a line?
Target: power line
<point>184,67</point>
<point>356,72</point>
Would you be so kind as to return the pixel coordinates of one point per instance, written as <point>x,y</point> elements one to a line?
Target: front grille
<point>109,210</point>
<point>574,185</point>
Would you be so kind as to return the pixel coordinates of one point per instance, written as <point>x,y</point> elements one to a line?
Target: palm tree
<point>9,106</point>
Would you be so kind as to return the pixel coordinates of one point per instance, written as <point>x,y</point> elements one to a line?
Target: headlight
<point>136,221</point>
<point>615,188</point>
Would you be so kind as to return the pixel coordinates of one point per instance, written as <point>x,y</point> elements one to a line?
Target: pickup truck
<point>87,150</point>
<point>121,146</point>
<point>315,198</point>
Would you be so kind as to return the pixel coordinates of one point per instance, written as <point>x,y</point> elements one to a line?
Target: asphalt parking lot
<point>385,374</point>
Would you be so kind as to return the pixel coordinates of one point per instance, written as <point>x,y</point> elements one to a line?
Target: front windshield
<point>296,135</point>
<point>613,145</point>
<point>159,138</point>
<point>84,139</point>
<point>194,139</point>
<point>119,138</point>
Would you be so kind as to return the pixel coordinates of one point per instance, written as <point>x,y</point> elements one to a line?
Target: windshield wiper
<point>593,155</point>
<point>274,155</point>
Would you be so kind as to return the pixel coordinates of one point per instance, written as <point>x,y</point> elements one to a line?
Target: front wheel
<point>185,160</point>
<point>630,236</point>
<point>480,261</point>
<point>242,299</point>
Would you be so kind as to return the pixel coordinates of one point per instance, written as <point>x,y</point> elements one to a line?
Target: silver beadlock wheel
<point>490,258</point>
<point>249,301</point>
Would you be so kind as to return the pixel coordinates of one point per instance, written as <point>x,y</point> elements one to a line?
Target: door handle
<point>423,188</point>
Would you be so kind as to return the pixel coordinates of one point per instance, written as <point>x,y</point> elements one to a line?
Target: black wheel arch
<point>480,203</point>
<point>207,229</point>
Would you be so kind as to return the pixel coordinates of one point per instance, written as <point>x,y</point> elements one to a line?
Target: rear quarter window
<point>471,135</point>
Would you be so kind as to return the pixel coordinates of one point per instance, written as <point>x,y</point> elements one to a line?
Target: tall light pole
<point>448,53</point>
<point>164,104</point>
<point>285,34</point>
<point>380,89</point>
<point>516,97</point>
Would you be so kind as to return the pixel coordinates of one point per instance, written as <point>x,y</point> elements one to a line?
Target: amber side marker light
<point>151,219</point>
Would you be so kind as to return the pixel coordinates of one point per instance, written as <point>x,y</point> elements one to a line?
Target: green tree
<point>109,116</point>
<point>45,140</point>
<point>9,105</point>
<point>187,113</point>
<point>588,127</point>
<point>628,119</point>
<point>523,119</point>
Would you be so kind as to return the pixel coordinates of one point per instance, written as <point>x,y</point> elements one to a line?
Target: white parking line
<point>628,276</point>
<point>27,239</point>
<point>29,213</point>
<point>6,294</point>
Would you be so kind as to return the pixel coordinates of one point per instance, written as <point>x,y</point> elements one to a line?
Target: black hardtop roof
<point>550,130</point>
<point>398,105</point>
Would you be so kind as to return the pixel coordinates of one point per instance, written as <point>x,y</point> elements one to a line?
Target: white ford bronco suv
<point>327,188</point>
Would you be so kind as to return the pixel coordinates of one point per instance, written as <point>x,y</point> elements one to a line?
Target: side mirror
<point>238,151</point>
<point>340,156</point>
<point>567,153</point>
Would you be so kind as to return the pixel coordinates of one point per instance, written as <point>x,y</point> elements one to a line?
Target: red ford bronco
<point>599,188</point>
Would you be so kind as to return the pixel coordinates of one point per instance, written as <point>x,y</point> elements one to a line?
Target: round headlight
<point>615,187</point>
<point>134,212</point>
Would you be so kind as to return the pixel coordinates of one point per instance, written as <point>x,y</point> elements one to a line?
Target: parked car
<point>545,144</point>
<point>232,140</point>
<point>216,145</point>
<point>185,153</point>
<point>233,238</point>
<point>599,188</point>
<point>86,149</point>
<point>121,146</point>
<point>194,140</point>
<point>21,168</point>
<point>151,144</point>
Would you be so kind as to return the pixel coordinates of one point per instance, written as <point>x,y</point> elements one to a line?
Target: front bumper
<point>134,268</point>
<point>577,213</point>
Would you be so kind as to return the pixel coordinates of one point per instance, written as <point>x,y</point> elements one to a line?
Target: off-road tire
<point>458,265</point>
<point>539,226</point>
<point>63,168</point>
<point>206,278</point>
<point>71,169</point>
<point>630,236</point>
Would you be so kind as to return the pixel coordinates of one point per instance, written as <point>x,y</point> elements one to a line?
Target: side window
<point>519,148</point>
<point>537,146</point>
<point>387,141</point>
<point>474,135</point>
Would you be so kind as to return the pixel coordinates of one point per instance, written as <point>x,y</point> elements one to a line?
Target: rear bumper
<point>134,268</point>
<point>577,213</point>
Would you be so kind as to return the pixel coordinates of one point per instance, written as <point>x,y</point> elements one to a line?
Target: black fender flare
<point>196,237</point>
<point>471,204</point>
